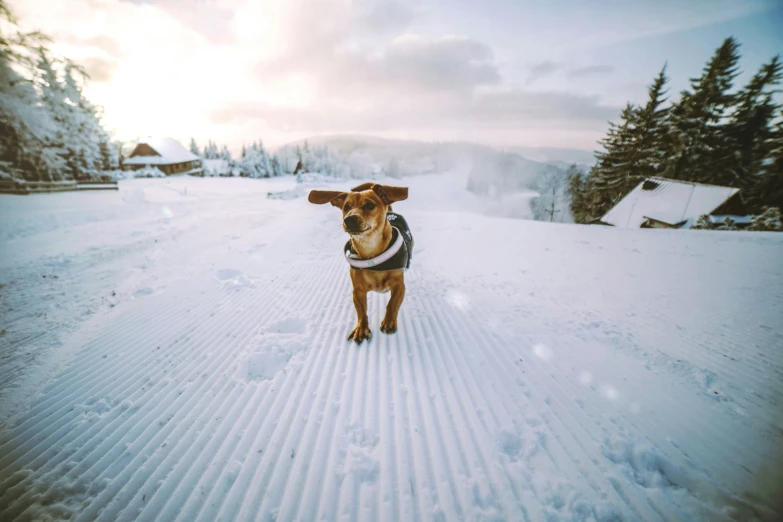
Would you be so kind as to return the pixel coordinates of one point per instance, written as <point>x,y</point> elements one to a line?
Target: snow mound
<point>305,182</point>
<point>146,172</point>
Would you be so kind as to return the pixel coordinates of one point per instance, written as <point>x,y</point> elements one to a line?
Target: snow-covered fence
<point>38,187</point>
<point>97,185</point>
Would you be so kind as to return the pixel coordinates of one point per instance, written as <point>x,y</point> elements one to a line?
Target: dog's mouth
<point>355,231</point>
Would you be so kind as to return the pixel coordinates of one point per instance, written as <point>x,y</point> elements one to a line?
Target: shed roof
<point>169,151</point>
<point>667,200</point>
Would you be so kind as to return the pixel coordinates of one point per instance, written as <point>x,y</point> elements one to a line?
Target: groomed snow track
<point>237,397</point>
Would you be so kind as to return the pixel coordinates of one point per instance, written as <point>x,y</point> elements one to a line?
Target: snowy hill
<point>176,351</point>
<point>513,185</point>
<point>555,156</point>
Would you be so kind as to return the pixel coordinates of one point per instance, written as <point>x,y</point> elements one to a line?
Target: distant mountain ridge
<point>559,156</point>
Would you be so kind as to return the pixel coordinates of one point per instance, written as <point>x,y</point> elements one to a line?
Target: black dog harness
<point>397,257</point>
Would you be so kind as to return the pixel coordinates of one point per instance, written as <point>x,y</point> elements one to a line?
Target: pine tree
<point>611,176</point>
<point>652,135</point>
<point>50,87</point>
<point>107,162</point>
<point>768,191</point>
<point>82,126</point>
<point>82,165</point>
<point>275,164</point>
<point>263,161</point>
<point>255,163</point>
<point>194,147</point>
<point>72,169</point>
<point>576,190</point>
<point>225,154</point>
<point>42,119</point>
<point>750,130</point>
<point>698,133</point>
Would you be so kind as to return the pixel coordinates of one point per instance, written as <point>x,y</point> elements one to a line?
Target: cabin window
<point>650,185</point>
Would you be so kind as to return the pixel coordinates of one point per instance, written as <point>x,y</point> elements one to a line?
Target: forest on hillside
<point>713,134</point>
<point>255,161</point>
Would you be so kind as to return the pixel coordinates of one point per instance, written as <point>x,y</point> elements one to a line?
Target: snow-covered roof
<point>169,151</point>
<point>667,200</point>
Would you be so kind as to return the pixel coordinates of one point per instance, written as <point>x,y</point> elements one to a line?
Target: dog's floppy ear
<point>319,197</point>
<point>389,194</point>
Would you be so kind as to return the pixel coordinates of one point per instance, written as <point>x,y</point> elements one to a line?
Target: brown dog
<point>366,214</point>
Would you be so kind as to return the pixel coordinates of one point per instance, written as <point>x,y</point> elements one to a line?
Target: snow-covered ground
<point>176,350</point>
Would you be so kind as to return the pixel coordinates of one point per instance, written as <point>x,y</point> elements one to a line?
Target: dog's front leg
<point>389,323</point>
<point>362,330</point>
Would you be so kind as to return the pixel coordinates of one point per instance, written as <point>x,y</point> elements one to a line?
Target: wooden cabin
<point>669,203</point>
<point>166,154</point>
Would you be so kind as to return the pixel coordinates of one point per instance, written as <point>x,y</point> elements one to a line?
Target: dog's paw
<point>389,326</point>
<point>360,334</point>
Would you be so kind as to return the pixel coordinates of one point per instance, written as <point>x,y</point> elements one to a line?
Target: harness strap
<point>385,256</point>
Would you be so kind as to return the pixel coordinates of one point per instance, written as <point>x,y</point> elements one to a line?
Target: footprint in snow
<point>234,278</point>
<point>227,274</point>
<point>290,325</point>
<point>509,443</point>
<point>143,292</point>
<point>267,362</point>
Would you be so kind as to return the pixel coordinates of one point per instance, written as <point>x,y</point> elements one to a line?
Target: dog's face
<point>363,212</point>
<point>364,208</point>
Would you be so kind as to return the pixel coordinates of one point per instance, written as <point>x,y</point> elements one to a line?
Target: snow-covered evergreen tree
<point>751,132</point>
<point>44,114</point>
<point>211,151</point>
<point>611,174</point>
<point>255,163</point>
<point>194,147</point>
<point>107,158</point>
<point>712,135</point>
<point>769,221</point>
<point>82,124</point>
<point>72,166</point>
<point>768,190</point>
<point>576,190</point>
<point>275,165</point>
<point>226,154</point>
<point>698,133</point>
<point>551,204</point>
<point>633,150</point>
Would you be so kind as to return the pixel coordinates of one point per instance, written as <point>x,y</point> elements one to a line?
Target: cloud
<point>99,69</point>
<point>541,70</point>
<point>416,65</point>
<point>104,43</point>
<point>279,68</point>
<point>520,106</point>
<point>593,70</point>
<point>383,16</point>
<point>207,17</point>
<point>500,108</point>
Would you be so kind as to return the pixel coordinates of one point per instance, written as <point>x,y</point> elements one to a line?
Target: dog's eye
<point>346,208</point>
<point>369,206</point>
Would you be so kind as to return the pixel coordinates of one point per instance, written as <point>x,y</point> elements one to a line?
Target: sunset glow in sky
<point>498,72</point>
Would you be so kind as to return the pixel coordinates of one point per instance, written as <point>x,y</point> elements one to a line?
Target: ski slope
<point>184,358</point>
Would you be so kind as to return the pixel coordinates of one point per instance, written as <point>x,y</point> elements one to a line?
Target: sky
<point>500,72</point>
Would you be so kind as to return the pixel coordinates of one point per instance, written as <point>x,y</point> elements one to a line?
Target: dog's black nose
<point>351,222</point>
